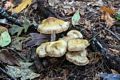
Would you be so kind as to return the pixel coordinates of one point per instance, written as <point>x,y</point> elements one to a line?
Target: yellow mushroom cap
<point>74,34</point>
<point>77,44</point>
<point>41,50</point>
<point>56,48</point>
<point>65,38</point>
<point>51,24</point>
<point>83,53</point>
<point>77,58</point>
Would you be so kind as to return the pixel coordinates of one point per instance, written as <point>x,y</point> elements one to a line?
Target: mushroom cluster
<point>73,46</point>
<point>52,49</point>
<point>77,52</point>
<point>76,48</point>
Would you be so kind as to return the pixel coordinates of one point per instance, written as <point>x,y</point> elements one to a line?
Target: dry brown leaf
<point>114,71</point>
<point>107,10</point>
<point>8,58</point>
<point>21,6</point>
<point>109,20</point>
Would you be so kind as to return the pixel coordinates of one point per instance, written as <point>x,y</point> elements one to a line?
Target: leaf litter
<point>8,58</point>
<point>23,72</point>
<point>97,20</point>
<point>5,38</point>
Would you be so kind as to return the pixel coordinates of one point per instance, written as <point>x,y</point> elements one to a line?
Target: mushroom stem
<point>53,36</point>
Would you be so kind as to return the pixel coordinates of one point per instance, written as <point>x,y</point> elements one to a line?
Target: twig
<point>115,35</point>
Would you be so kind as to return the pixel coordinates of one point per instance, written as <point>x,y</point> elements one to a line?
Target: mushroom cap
<point>53,25</point>
<point>41,50</point>
<point>77,44</point>
<point>56,48</point>
<point>83,53</point>
<point>77,58</point>
<point>74,34</point>
<point>65,38</point>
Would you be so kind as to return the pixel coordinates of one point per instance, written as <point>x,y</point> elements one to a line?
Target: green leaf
<point>26,25</point>
<point>17,29</point>
<point>23,72</point>
<point>17,43</point>
<point>14,29</point>
<point>76,18</point>
<point>20,31</point>
<point>5,39</point>
<point>118,16</point>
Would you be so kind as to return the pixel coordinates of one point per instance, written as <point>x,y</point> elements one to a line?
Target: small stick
<point>115,35</point>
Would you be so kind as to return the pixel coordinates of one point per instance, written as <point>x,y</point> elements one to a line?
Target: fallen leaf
<point>21,6</point>
<point>8,58</point>
<point>22,72</point>
<point>5,38</point>
<point>14,29</point>
<point>76,18</point>
<point>36,39</point>
<point>108,19</point>
<point>17,43</point>
<point>114,71</point>
<point>26,24</point>
<point>107,10</point>
<point>20,31</point>
<point>118,16</point>
<point>17,29</point>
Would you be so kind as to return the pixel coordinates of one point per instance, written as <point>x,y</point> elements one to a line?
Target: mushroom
<point>41,50</point>
<point>56,48</point>
<point>77,44</point>
<point>78,58</point>
<point>52,26</point>
<point>83,53</point>
<point>65,38</point>
<point>74,34</point>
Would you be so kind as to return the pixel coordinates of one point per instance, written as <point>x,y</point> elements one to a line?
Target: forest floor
<point>97,20</point>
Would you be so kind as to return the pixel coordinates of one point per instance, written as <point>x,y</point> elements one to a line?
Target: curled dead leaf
<point>108,19</point>
<point>107,10</point>
<point>36,39</point>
